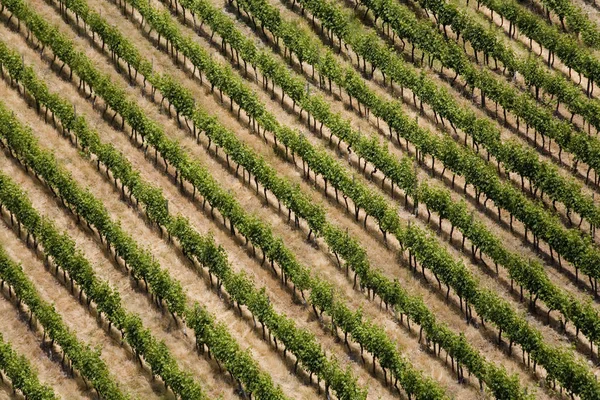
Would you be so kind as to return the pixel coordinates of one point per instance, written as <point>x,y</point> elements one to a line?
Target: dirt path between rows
<point>123,367</point>
<point>569,277</point>
<point>340,105</point>
<point>25,342</point>
<point>72,158</point>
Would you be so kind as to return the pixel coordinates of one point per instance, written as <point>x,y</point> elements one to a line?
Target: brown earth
<point>313,254</point>
<point>29,344</point>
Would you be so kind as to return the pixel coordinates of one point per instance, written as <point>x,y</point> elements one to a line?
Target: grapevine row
<point>375,342</point>
<point>379,210</point>
<point>348,249</point>
<point>369,336</point>
<point>239,363</point>
<point>577,21</point>
<point>413,238</point>
<point>535,28</point>
<point>83,358</point>
<point>534,74</point>
<point>498,256</point>
<point>526,273</point>
<point>543,175</point>
<point>567,243</point>
<point>201,248</point>
<point>178,97</point>
<point>516,158</point>
<point>513,156</point>
<point>17,367</point>
<point>62,250</point>
<point>570,369</point>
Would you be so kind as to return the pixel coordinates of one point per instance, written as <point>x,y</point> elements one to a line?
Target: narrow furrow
<point>584,345</point>
<point>76,317</point>
<point>195,287</point>
<point>5,392</point>
<point>175,191</point>
<point>24,341</point>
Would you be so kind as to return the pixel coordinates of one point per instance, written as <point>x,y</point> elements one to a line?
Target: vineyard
<point>299,199</point>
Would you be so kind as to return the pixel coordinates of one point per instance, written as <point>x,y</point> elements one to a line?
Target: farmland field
<point>299,199</point>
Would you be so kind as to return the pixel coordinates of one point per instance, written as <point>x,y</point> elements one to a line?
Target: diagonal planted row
<point>473,176</point>
<point>546,36</point>
<point>554,298</point>
<point>567,243</point>
<point>372,339</point>
<point>82,357</point>
<point>242,367</point>
<point>200,248</point>
<point>542,174</point>
<point>482,40</point>
<point>23,146</point>
<point>18,369</point>
<point>577,22</point>
<point>178,97</point>
<point>482,131</point>
<point>526,273</point>
<point>534,279</point>
<point>307,151</point>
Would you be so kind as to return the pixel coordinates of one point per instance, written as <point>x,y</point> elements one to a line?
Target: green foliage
<point>319,163</point>
<point>85,359</point>
<point>199,178</point>
<point>18,369</point>
<point>63,251</point>
<point>203,249</point>
<point>461,281</point>
<point>467,163</point>
<point>566,47</point>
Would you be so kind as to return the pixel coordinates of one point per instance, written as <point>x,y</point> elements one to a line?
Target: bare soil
<point>26,342</point>
<point>86,326</point>
<point>312,253</point>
